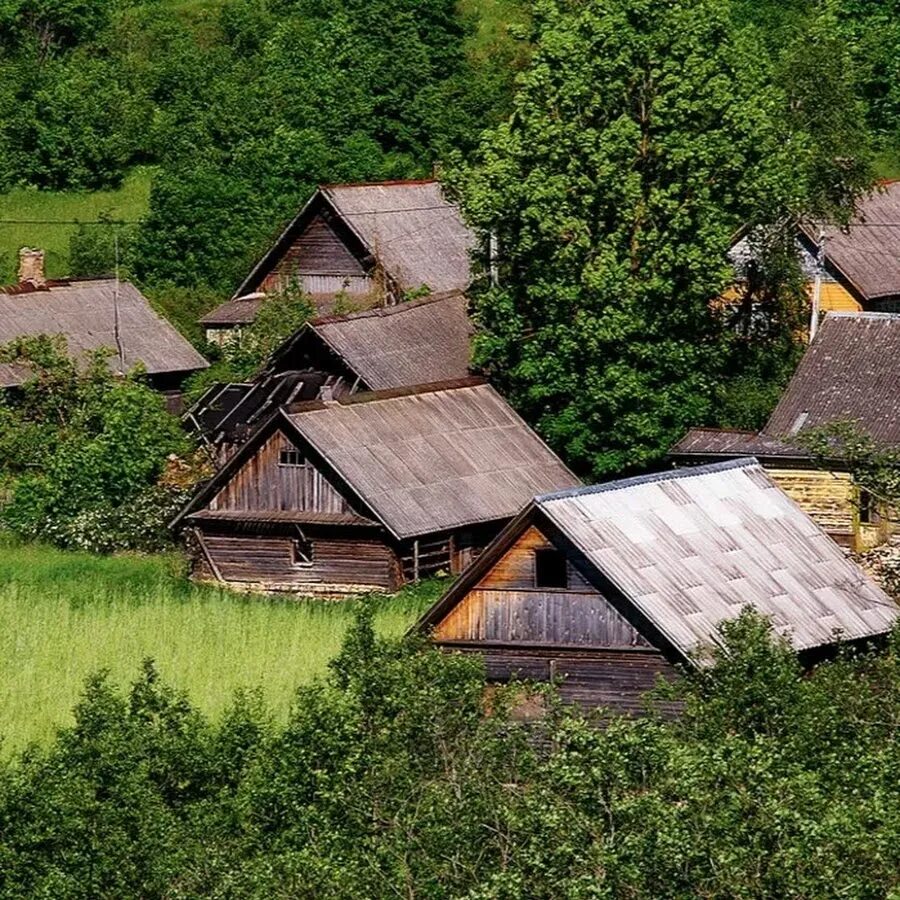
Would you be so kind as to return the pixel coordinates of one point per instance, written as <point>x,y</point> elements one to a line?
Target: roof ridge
<point>381,311</point>
<point>433,387</point>
<point>651,478</point>
<point>396,182</point>
<point>863,314</point>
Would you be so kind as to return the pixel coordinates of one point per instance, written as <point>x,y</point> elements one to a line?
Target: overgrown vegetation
<point>66,615</point>
<point>389,779</point>
<point>88,458</point>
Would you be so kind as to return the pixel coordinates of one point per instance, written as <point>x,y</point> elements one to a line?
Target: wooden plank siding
<point>827,497</point>
<point>507,607</point>
<point>614,679</point>
<point>262,483</point>
<point>340,565</point>
<point>321,263</point>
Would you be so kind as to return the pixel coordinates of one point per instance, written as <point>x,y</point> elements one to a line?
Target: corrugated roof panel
<point>740,540</point>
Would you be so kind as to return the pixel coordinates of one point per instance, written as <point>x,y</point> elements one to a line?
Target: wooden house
<point>861,268</point>
<point>414,342</point>
<point>370,491</point>
<point>850,372</point>
<point>610,587</point>
<point>92,314</point>
<point>367,244</point>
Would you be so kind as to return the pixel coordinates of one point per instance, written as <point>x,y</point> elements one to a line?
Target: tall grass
<point>64,616</point>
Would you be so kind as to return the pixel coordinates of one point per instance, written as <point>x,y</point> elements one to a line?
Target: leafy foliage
<point>390,779</point>
<point>82,448</point>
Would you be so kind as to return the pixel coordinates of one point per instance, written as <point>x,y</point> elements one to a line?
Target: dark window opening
<point>301,552</point>
<point>550,569</point>
<point>866,508</point>
<point>291,458</point>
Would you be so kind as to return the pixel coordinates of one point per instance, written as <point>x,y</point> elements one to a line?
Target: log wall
<point>340,564</point>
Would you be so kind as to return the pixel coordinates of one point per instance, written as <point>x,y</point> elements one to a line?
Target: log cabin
<point>415,342</point>
<point>612,587</point>
<point>850,372</point>
<point>370,491</point>
<point>364,245</point>
<point>861,266</point>
<point>92,314</point>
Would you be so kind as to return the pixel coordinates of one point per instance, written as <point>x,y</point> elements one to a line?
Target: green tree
<point>641,136</point>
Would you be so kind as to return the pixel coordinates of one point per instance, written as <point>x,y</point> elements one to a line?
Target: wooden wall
<point>321,262</point>
<point>614,679</point>
<point>263,484</point>
<point>506,607</point>
<point>827,497</point>
<point>341,563</point>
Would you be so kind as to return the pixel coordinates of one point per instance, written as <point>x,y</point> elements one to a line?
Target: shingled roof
<point>431,460</point>
<point>414,342</point>
<point>850,371</point>
<point>867,252</point>
<point>680,552</point>
<point>414,233</point>
<point>84,312</point>
<point>419,460</point>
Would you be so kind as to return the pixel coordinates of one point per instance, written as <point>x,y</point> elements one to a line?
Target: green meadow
<point>27,217</point>
<point>64,616</point>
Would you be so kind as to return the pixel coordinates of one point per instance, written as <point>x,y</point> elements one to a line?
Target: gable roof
<point>414,342</point>
<point>687,549</point>
<point>421,460</point>
<point>408,226</point>
<point>850,371</point>
<point>435,459</point>
<point>867,252</point>
<point>84,312</point>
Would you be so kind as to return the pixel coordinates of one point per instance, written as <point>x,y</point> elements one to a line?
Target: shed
<point>850,371</point>
<point>612,586</point>
<point>370,491</point>
<point>368,243</point>
<point>415,342</point>
<point>92,314</point>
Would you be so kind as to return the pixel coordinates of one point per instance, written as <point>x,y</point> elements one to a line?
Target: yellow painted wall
<point>834,298</point>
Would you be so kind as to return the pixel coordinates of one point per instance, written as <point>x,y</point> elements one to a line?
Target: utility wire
<point>107,222</point>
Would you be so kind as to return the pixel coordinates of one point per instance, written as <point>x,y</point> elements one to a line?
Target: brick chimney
<point>31,267</point>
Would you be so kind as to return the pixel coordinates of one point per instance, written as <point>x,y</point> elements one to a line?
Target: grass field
<point>128,203</point>
<point>64,616</point>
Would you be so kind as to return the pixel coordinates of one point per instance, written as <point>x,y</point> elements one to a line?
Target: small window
<point>866,508</point>
<point>301,552</point>
<point>550,569</point>
<point>291,457</point>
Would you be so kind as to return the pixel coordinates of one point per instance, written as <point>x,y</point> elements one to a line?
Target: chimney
<point>31,267</point>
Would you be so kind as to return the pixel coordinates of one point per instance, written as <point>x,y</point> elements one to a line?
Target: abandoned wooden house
<point>365,244</point>
<point>850,372</point>
<point>611,587</point>
<point>93,314</point>
<point>861,262</point>
<point>370,491</point>
<point>415,342</point>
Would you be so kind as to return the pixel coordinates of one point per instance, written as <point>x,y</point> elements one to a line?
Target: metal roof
<point>690,548</point>
<point>851,370</point>
<point>414,342</point>
<point>84,313</point>
<point>727,442</point>
<point>434,458</point>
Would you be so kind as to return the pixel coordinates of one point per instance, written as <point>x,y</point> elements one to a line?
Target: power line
<point>69,222</point>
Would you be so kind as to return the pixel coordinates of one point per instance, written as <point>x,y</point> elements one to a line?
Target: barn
<point>850,372</point>
<point>363,244</point>
<point>370,491</point>
<point>613,586</point>
<point>414,342</point>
